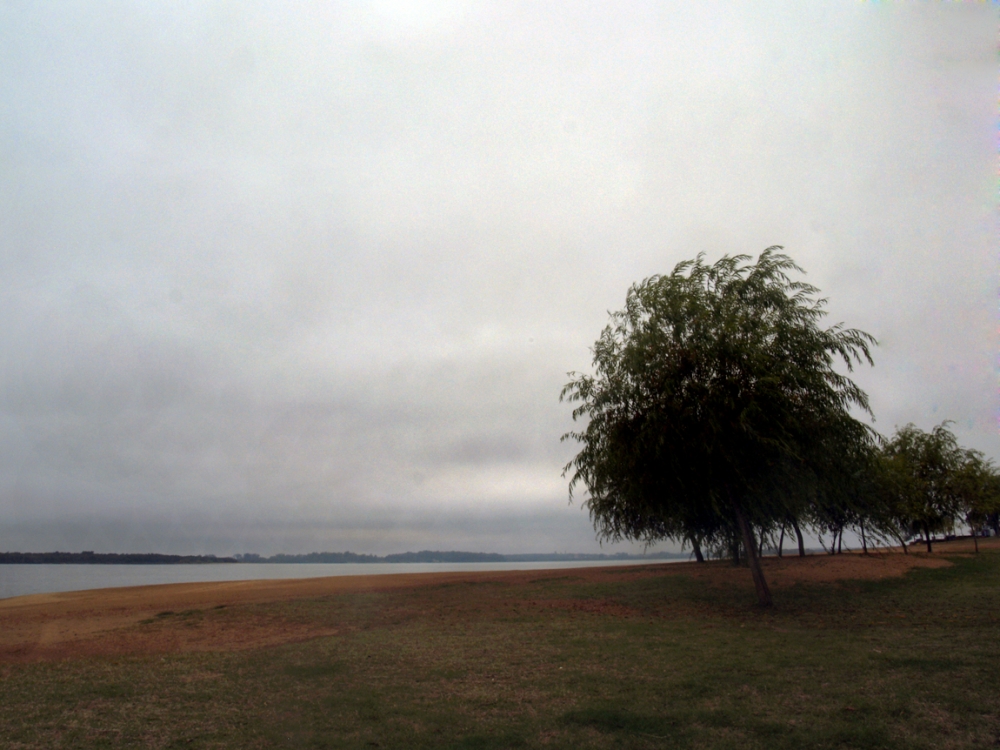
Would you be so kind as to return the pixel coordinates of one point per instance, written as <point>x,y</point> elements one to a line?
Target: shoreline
<point>25,580</point>
<point>104,622</point>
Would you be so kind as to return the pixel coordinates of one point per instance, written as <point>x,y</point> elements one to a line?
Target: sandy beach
<point>106,621</point>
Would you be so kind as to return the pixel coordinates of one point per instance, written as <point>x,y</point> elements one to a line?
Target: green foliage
<point>921,469</point>
<point>978,488</point>
<point>929,482</point>
<point>715,398</point>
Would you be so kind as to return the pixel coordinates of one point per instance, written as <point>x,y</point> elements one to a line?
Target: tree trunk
<point>864,544</point>
<point>697,550</point>
<point>903,543</point>
<point>819,538</point>
<point>760,545</point>
<point>798,534</point>
<point>840,541</point>
<point>781,541</point>
<point>763,592</point>
<point>927,537</point>
<point>975,539</point>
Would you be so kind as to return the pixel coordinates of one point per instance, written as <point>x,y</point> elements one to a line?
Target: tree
<point>978,487</point>
<point>922,475</point>
<point>714,405</point>
<point>857,495</point>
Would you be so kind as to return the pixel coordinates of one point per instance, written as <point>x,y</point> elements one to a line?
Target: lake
<point>19,580</point>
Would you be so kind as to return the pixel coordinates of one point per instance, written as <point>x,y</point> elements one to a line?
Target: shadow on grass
<point>614,720</point>
<point>487,742</point>
<point>315,671</point>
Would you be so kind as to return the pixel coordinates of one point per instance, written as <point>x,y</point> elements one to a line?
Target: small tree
<point>847,459</point>
<point>978,489</point>
<point>921,472</point>
<point>714,400</point>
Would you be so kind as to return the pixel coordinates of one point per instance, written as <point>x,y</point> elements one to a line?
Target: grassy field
<point>640,660</point>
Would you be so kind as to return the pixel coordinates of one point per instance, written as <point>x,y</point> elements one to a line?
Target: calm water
<point>18,580</point>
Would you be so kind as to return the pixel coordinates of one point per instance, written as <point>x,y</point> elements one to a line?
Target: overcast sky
<point>293,276</point>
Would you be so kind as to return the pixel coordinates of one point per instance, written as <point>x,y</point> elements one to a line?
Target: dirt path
<point>102,622</point>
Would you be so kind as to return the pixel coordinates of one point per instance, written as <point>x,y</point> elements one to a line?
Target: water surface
<point>18,580</point>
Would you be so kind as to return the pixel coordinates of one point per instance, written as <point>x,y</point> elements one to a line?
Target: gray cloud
<point>300,278</point>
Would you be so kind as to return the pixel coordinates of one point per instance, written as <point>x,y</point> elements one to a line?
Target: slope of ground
<point>102,621</point>
<point>890,651</point>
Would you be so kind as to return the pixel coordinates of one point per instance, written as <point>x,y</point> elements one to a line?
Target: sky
<point>294,276</point>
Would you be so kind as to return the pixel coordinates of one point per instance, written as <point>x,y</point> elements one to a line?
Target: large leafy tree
<point>715,406</point>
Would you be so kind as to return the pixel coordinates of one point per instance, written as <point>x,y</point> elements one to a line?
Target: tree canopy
<point>929,481</point>
<point>716,409</point>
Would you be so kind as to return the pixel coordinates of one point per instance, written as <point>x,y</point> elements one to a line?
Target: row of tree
<point>717,417</point>
<point>916,484</point>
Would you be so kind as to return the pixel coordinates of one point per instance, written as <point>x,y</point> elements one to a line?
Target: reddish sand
<point>103,622</point>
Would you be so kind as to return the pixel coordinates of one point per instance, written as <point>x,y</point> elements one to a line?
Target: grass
<point>654,660</point>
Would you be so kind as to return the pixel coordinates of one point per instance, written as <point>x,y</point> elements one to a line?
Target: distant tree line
<point>424,556</point>
<point>924,483</point>
<point>109,558</point>
<point>913,485</point>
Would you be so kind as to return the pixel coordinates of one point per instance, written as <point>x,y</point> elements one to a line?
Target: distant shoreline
<point>424,556</point>
<point>107,558</point>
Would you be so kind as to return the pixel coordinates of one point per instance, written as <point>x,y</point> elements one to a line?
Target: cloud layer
<point>283,277</point>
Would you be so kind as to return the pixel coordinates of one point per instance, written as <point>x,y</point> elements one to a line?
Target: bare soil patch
<point>216,616</point>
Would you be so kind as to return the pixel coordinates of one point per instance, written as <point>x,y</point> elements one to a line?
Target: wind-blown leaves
<point>714,398</point>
